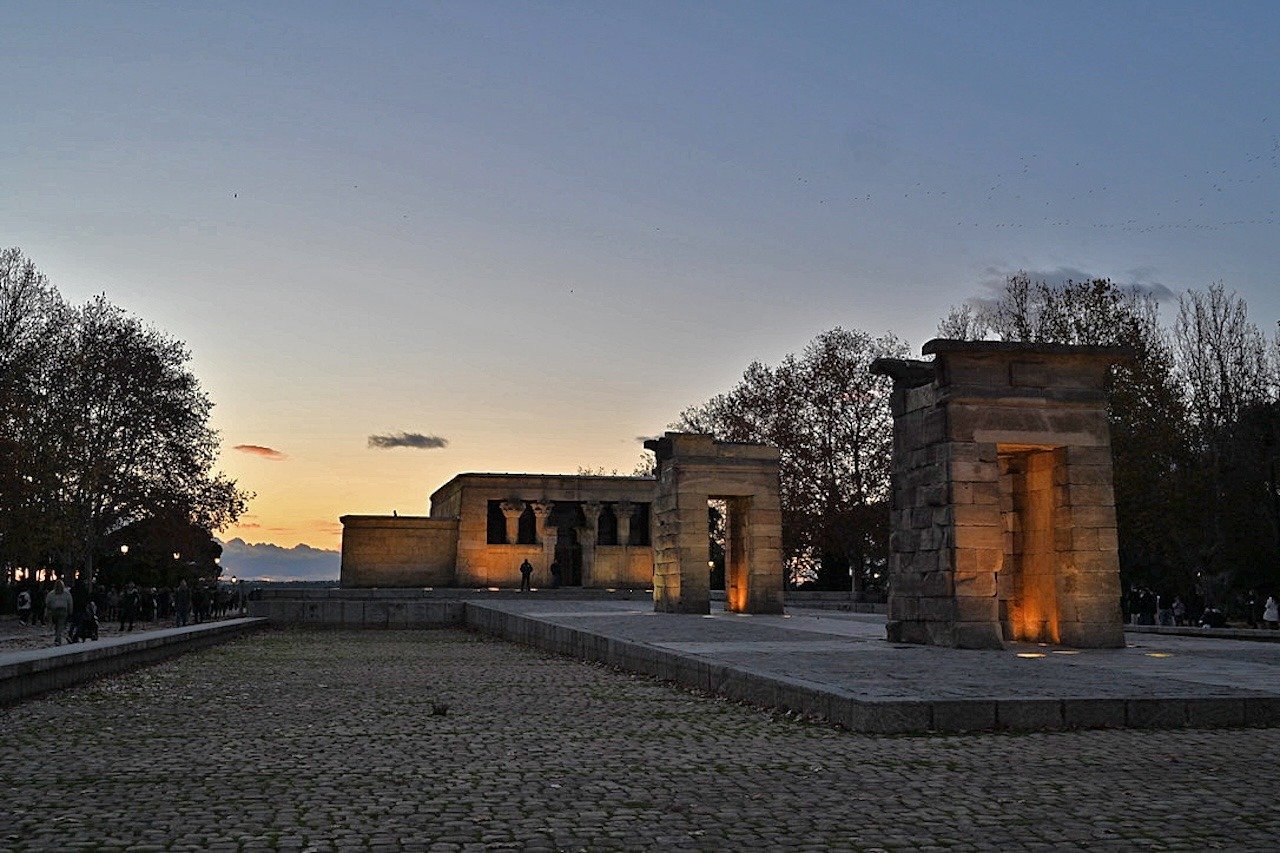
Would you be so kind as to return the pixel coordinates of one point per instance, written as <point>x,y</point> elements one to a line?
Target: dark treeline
<point>1195,425</point>
<point>106,453</point>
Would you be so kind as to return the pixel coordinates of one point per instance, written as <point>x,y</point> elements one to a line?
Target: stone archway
<point>1003,515</point>
<point>692,469</point>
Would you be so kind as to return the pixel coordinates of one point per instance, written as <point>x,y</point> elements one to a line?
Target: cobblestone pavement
<point>326,740</point>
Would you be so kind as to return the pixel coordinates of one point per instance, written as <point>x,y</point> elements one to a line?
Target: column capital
<point>592,510</point>
<point>512,508</point>
<point>542,509</point>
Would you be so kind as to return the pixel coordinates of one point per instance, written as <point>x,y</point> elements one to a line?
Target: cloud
<point>268,561</point>
<point>1139,279</point>
<point>408,439</point>
<point>260,450</point>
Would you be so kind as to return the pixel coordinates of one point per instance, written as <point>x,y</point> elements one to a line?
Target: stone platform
<point>839,667</point>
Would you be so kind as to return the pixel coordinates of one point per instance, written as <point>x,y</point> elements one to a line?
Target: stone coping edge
<point>895,716</point>
<point>1256,635</point>
<point>30,673</point>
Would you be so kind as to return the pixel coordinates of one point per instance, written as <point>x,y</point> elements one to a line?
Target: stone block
<point>933,494</point>
<point>983,494</point>
<point>963,715</point>
<point>976,515</point>
<point>1090,495</point>
<point>1029,715</point>
<point>1156,713</point>
<point>977,560</point>
<point>1214,713</point>
<point>985,537</point>
<point>1088,475</point>
<point>938,609</point>
<point>1093,713</point>
<point>974,585</point>
<point>1262,711</point>
<point>1093,516</point>
<point>938,633</point>
<point>977,635</point>
<point>937,584</point>
<point>977,609</point>
<point>882,717</point>
<point>980,472</point>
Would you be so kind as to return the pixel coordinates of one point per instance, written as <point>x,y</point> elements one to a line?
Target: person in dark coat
<point>526,572</point>
<point>130,602</point>
<point>182,604</point>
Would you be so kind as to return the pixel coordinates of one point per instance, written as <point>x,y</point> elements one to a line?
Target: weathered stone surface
<point>1003,470</point>
<point>692,469</point>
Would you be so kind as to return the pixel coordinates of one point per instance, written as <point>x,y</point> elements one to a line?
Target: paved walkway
<point>325,740</point>
<point>14,636</point>
<point>847,652</point>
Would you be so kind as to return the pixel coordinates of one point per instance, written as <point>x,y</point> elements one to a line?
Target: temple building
<point>481,527</point>
<point>601,532</point>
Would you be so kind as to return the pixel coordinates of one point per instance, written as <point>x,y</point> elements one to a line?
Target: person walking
<point>24,607</point>
<point>526,572</point>
<point>1271,613</point>
<point>182,604</point>
<point>58,604</point>
<point>130,601</point>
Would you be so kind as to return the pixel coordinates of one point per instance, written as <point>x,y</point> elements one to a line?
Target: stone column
<point>587,538</point>
<point>623,511</point>
<point>512,510</point>
<point>542,511</point>
<point>550,536</point>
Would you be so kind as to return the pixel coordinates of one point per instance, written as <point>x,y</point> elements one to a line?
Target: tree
<point>111,428</point>
<point>829,417</point>
<point>1230,382</point>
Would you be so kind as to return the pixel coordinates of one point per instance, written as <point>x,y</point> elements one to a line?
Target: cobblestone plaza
<point>327,740</point>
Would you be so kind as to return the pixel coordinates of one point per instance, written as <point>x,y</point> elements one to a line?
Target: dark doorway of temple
<point>569,556</point>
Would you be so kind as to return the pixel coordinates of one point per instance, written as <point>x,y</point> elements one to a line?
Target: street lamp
<point>124,549</point>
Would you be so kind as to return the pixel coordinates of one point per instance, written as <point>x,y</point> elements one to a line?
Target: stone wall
<point>391,551</point>
<point>484,564</point>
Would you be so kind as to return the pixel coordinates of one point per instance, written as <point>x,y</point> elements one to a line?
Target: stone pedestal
<point>693,469</point>
<point>1003,517</point>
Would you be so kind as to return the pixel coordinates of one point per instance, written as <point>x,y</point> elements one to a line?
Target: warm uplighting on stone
<point>1003,516</point>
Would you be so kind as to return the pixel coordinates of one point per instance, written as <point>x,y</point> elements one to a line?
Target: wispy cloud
<point>415,440</point>
<point>261,450</point>
<point>1140,279</point>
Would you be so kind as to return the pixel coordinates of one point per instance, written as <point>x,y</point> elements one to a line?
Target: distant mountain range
<point>265,561</point>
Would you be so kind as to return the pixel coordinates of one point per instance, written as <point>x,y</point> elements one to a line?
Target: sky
<point>528,234</point>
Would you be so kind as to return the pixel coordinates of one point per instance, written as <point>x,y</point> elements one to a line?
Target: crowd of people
<point>1147,607</point>
<point>76,612</point>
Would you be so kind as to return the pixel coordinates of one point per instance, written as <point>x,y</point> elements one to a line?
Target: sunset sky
<point>539,231</point>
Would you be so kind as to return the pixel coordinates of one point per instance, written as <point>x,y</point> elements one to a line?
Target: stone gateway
<point>1003,515</point>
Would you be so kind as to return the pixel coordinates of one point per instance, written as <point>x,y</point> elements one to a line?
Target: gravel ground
<point>327,740</point>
